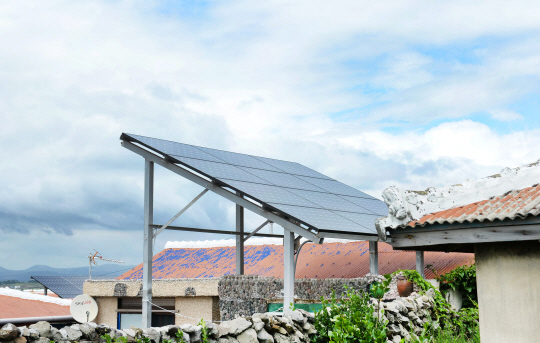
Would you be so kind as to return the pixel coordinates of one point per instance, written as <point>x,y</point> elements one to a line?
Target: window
<point>130,312</point>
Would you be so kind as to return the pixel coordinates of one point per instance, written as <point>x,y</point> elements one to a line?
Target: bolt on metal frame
<point>290,226</point>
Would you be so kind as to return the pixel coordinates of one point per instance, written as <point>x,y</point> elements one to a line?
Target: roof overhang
<point>462,236</point>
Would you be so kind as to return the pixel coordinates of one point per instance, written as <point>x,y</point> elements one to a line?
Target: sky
<point>371,93</point>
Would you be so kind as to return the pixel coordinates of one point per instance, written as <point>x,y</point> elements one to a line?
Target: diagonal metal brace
<point>256,230</point>
<point>180,213</point>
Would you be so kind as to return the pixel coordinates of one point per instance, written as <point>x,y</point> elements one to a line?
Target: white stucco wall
<point>508,279</point>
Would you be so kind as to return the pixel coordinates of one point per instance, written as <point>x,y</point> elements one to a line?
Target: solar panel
<point>67,287</point>
<point>291,188</point>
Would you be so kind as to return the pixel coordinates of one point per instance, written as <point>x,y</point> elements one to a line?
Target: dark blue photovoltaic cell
<point>292,168</point>
<point>375,205</point>
<point>335,187</point>
<point>267,194</point>
<point>220,170</point>
<point>366,220</point>
<point>323,219</point>
<point>298,191</point>
<point>67,287</point>
<point>178,149</point>
<point>331,201</point>
<point>282,179</point>
<point>238,159</point>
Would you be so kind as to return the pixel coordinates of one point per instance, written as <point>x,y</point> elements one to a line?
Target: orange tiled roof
<point>329,260</point>
<point>520,203</point>
<point>14,307</point>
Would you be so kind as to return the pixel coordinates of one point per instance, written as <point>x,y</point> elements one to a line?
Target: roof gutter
<point>35,319</point>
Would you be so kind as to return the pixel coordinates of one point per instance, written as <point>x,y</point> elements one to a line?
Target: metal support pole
<point>373,258</point>
<point>148,240</point>
<point>288,267</point>
<point>44,290</point>
<point>239,240</point>
<point>420,263</point>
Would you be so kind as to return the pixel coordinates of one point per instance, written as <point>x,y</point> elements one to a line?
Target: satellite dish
<point>83,308</point>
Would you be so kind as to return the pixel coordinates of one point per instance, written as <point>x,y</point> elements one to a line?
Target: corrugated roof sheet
<point>13,307</point>
<point>511,205</point>
<point>329,260</point>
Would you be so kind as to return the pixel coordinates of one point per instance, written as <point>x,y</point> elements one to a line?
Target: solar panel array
<point>291,188</point>
<point>67,287</point>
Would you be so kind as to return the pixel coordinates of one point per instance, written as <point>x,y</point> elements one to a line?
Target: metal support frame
<point>420,263</point>
<point>180,213</point>
<point>290,226</point>
<point>222,232</point>
<point>285,223</point>
<point>148,243</point>
<point>373,257</point>
<point>239,240</point>
<point>288,268</point>
<point>254,232</point>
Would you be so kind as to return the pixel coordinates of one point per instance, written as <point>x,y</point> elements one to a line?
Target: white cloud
<point>315,82</point>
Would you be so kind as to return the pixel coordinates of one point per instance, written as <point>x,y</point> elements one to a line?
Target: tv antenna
<point>92,259</point>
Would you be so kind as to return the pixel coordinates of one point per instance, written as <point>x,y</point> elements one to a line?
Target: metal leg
<point>148,240</point>
<point>288,275</point>
<point>420,263</point>
<point>373,258</point>
<point>240,240</point>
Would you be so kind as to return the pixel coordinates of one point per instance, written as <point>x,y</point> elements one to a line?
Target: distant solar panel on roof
<point>291,188</point>
<point>67,287</point>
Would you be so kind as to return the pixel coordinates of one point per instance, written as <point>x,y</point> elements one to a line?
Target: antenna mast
<point>92,259</point>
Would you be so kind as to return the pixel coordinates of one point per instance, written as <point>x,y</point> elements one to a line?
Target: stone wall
<point>402,316</point>
<point>243,295</point>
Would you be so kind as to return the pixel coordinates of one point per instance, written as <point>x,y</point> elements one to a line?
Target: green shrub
<point>462,279</point>
<point>352,320</point>
<point>462,324</point>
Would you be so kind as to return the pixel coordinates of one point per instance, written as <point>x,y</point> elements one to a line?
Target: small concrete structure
<point>497,219</point>
<point>186,308</point>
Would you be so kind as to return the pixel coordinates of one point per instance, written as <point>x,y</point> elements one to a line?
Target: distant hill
<point>112,270</point>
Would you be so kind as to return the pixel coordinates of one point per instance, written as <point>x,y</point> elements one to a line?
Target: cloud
<point>371,93</point>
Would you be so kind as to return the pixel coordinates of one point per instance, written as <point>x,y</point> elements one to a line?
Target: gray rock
<point>152,334</point>
<point>72,334</point>
<point>130,333</point>
<point>196,335</point>
<point>248,336</point>
<point>297,317</point>
<point>187,328</point>
<point>234,327</point>
<point>42,340</point>
<point>258,324</point>
<point>396,339</point>
<point>212,329</point>
<point>88,331</point>
<point>31,334</point>
<point>9,332</point>
<point>264,337</point>
<point>279,338</point>
<point>59,335</point>
<point>430,294</point>
<point>101,329</point>
<point>43,328</point>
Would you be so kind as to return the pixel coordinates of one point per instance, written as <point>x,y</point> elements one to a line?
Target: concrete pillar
<point>288,275</point>
<point>148,243</point>
<point>420,263</point>
<point>240,240</point>
<point>373,257</point>
<point>508,282</point>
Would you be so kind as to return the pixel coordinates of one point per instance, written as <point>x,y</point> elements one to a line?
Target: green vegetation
<point>462,279</point>
<point>461,324</point>
<point>352,320</point>
<point>141,339</point>
<point>204,331</point>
